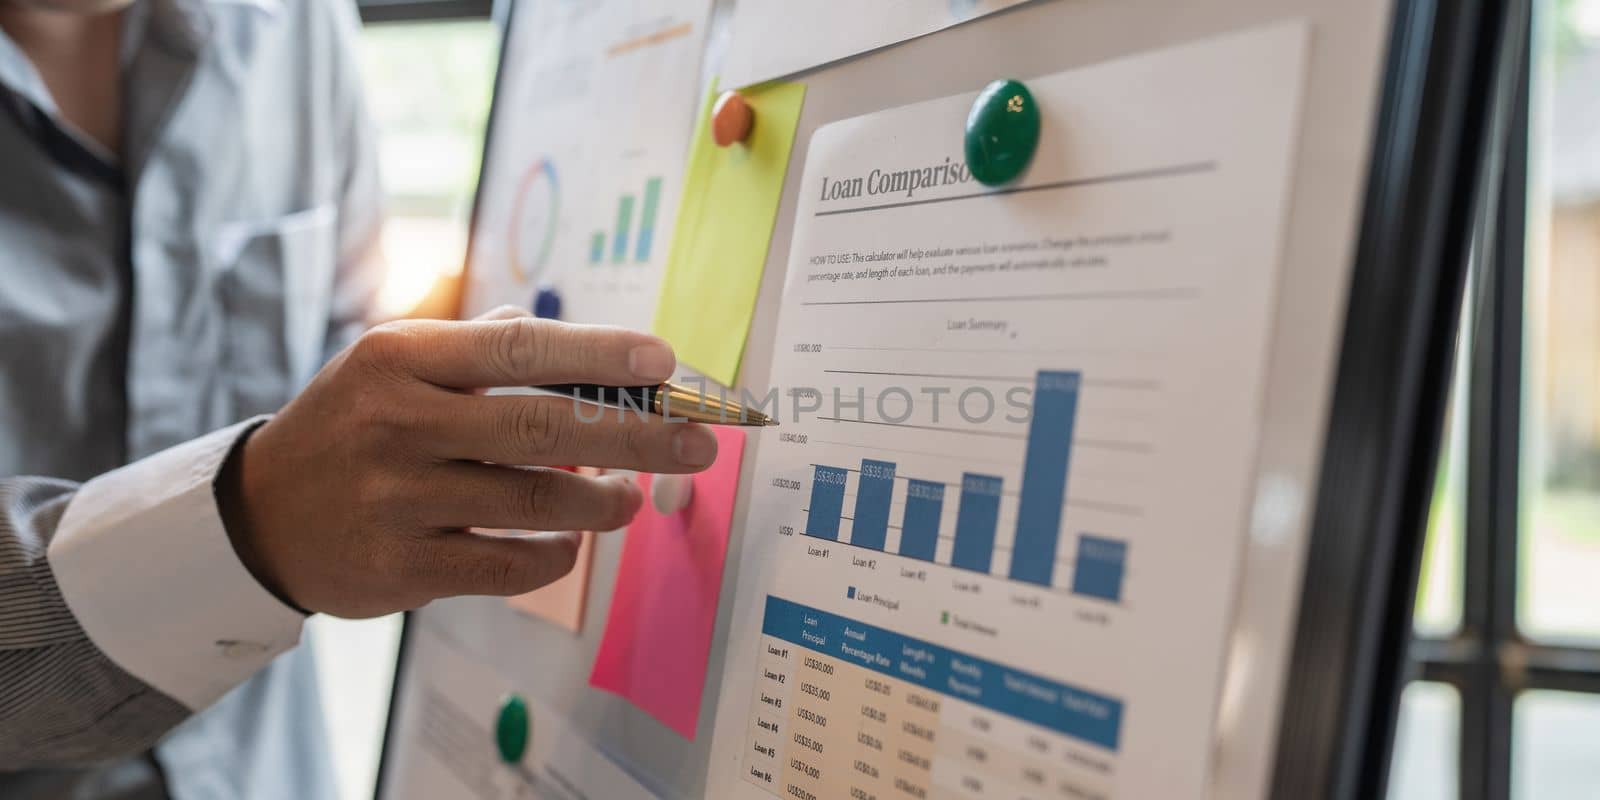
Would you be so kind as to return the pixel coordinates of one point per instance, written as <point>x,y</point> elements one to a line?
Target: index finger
<point>526,351</point>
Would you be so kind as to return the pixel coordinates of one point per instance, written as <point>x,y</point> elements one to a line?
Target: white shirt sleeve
<point>144,563</point>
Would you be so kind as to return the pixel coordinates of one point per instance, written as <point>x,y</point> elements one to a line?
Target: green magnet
<point>1002,132</point>
<point>511,729</point>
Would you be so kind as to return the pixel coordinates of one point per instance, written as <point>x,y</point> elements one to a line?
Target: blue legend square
<point>850,593</point>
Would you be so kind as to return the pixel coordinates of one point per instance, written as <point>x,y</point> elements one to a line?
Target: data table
<point>844,709</point>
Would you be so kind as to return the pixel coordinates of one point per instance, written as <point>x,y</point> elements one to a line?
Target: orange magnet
<point>731,119</point>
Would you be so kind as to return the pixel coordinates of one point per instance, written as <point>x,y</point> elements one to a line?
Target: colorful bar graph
<point>1099,568</point>
<point>1044,476</point>
<point>619,241</point>
<point>647,220</point>
<point>975,521</point>
<point>871,525</point>
<point>597,247</point>
<point>919,530</point>
<point>1041,500</point>
<point>827,501</point>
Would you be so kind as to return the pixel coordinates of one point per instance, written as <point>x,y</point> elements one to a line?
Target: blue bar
<point>1044,476</point>
<point>827,500</point>
<point>871,526</point>
<point>1085,715</point>
<point>1099,568</point>
<point>619,242</point>
<point>919,531</point>
<point>642,247</point>
<point>647,219</point>
<point>975,518</point>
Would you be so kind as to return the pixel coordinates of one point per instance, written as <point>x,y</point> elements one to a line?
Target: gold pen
<point>667,400</point>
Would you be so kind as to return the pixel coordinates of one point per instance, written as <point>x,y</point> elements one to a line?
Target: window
<point>1560,598</point>
<point>429,85</point>
<point>1438,611</point>
<point>1508,606</point>
<point>1426,757</point>
<point>1554,745</point>
<point>429,80</point>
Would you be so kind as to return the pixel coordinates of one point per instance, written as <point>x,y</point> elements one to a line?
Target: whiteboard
<point>1345,73</point>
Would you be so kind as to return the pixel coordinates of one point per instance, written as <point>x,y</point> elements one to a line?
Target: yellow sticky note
<point>725,219</point>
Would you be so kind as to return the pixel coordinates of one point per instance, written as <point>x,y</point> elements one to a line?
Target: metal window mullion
<point>1566,668</point>
<point>1490,685</point>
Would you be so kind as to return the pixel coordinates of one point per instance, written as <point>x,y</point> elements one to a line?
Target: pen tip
<point>770,423</point>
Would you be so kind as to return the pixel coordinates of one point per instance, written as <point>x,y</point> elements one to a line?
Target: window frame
<point>1489,660</point>
<point>381,11</point>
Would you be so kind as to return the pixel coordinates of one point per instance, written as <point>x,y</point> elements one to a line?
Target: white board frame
<point>1388,128</point>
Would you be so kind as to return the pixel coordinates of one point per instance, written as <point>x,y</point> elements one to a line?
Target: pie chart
<point>533,220</point>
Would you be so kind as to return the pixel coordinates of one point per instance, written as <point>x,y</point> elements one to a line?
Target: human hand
<point>358,498</point>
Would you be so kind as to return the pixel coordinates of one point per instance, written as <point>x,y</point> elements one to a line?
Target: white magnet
<point>670,493</point>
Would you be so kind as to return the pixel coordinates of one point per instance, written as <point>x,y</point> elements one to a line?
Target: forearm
<point>123,607</point>
<point>62,700</point>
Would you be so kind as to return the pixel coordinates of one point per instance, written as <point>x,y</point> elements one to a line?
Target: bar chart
<point>994,547</point>
<point>1037,541</point>
<point>622,243</point>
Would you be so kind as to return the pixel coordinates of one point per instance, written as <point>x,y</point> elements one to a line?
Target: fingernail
<point>652,362</point>
<point>694,446</point>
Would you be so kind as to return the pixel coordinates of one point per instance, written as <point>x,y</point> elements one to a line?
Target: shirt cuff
<point>143,561</point>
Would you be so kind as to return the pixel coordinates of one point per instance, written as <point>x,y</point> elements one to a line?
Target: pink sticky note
<point>658,633</point>
<point>562,601</point>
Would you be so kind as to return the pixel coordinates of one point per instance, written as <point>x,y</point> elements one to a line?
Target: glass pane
<point>1438,611</point>
<point>1556,746</point>
<point>1560,595</point>
<point>355,672</point>
<point>429,85</point>
<point>1426,748</point>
